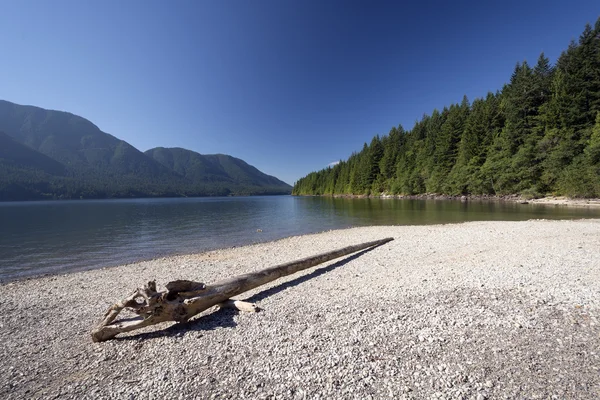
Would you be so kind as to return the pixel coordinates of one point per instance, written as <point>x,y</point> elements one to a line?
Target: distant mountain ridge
<point>56,154</point>
<point>211,167</point>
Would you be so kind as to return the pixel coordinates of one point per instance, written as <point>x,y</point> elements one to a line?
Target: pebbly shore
<point>481,310</point>
<point>511,198</point>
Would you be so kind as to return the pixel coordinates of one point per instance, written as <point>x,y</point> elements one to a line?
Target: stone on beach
<point>505,310</point>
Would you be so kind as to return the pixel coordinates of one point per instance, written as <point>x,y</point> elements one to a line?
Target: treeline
<point>539,135</point>
<point>20,183</point>
<point>46,154</point>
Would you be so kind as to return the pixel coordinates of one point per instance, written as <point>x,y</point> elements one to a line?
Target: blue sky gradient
<point>288,86</point>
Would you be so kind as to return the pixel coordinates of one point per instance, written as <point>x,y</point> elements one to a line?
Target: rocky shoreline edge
<point>549,200</point>
<point>478,310</point>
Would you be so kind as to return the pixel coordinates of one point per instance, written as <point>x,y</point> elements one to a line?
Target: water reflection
<point>43,237</point>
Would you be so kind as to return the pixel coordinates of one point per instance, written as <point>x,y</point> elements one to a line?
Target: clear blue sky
<point>288,86</point>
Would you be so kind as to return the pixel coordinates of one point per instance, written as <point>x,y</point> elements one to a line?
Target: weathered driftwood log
<point>184,299</point>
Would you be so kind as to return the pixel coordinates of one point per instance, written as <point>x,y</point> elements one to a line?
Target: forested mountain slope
<point>218,169</point>
<point>21,156</point>
<point>540,134</point>
<point>75,142</point>
<point>47,154</point>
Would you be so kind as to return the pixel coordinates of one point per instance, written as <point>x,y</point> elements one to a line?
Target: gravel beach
<point>482,310</point>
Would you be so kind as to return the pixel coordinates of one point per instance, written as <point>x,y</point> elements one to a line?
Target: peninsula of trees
<point>46,154</point>
<point>539,135</point>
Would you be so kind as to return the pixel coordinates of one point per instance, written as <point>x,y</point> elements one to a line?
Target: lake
<point>61,236</point>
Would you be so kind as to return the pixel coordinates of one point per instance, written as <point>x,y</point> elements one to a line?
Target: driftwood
<point>184,299</point>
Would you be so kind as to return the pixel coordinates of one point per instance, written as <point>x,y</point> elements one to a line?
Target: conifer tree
<point>539,134</point>
<point>446,151</point>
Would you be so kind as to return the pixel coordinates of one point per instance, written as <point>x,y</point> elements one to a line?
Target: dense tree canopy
<point>540,134</point>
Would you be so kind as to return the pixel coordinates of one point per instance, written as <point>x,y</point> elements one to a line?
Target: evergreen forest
<point>539,135</point>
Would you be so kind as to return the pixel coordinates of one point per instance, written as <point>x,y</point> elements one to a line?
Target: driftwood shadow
<point>224,317</point>
<point>318,272</point>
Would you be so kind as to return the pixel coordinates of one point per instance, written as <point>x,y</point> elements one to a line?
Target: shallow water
<point>60,236</point>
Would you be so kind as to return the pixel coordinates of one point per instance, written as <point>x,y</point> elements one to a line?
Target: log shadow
<point>224,317</point>
<point>318,272</point>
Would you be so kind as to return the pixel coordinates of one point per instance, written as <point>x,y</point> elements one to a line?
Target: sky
<point>287,86</point>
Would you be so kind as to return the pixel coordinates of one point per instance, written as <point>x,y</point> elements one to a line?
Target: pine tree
<point>391,147</point>
<point>446,151</point>
<point>592,158</point>
<point>425,163</point>
<point>539,134</point>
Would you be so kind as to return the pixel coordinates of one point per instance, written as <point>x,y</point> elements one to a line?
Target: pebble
<point>438,312</point>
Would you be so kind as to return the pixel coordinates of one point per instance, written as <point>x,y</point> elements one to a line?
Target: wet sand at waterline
<point>474,310</point>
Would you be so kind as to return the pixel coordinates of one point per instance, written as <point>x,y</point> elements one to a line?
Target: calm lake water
<point>60,236</point>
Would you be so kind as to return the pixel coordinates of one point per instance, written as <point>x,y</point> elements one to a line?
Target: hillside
<point>219,169</point>
<point>75,142</point>
<point>55,154</point>
<point>539,135</point>
<point>20,156</point>
<point>25,172</point>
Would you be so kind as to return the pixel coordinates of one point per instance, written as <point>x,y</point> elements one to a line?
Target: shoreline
<point>475,309</point>
<point>565,201</point>
<point>588,208</point>
<point>548,200</point>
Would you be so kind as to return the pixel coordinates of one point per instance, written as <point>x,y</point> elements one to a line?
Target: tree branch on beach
<point>184,299</point>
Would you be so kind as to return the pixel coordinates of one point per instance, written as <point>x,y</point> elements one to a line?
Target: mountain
<point>221,169</point>
<point>20,156</point>
<point>55,154</point>
<point>24,172</point>
<point>75,142</point>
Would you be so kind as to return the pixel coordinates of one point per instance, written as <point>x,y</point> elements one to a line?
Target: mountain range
<point>47,154</point>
